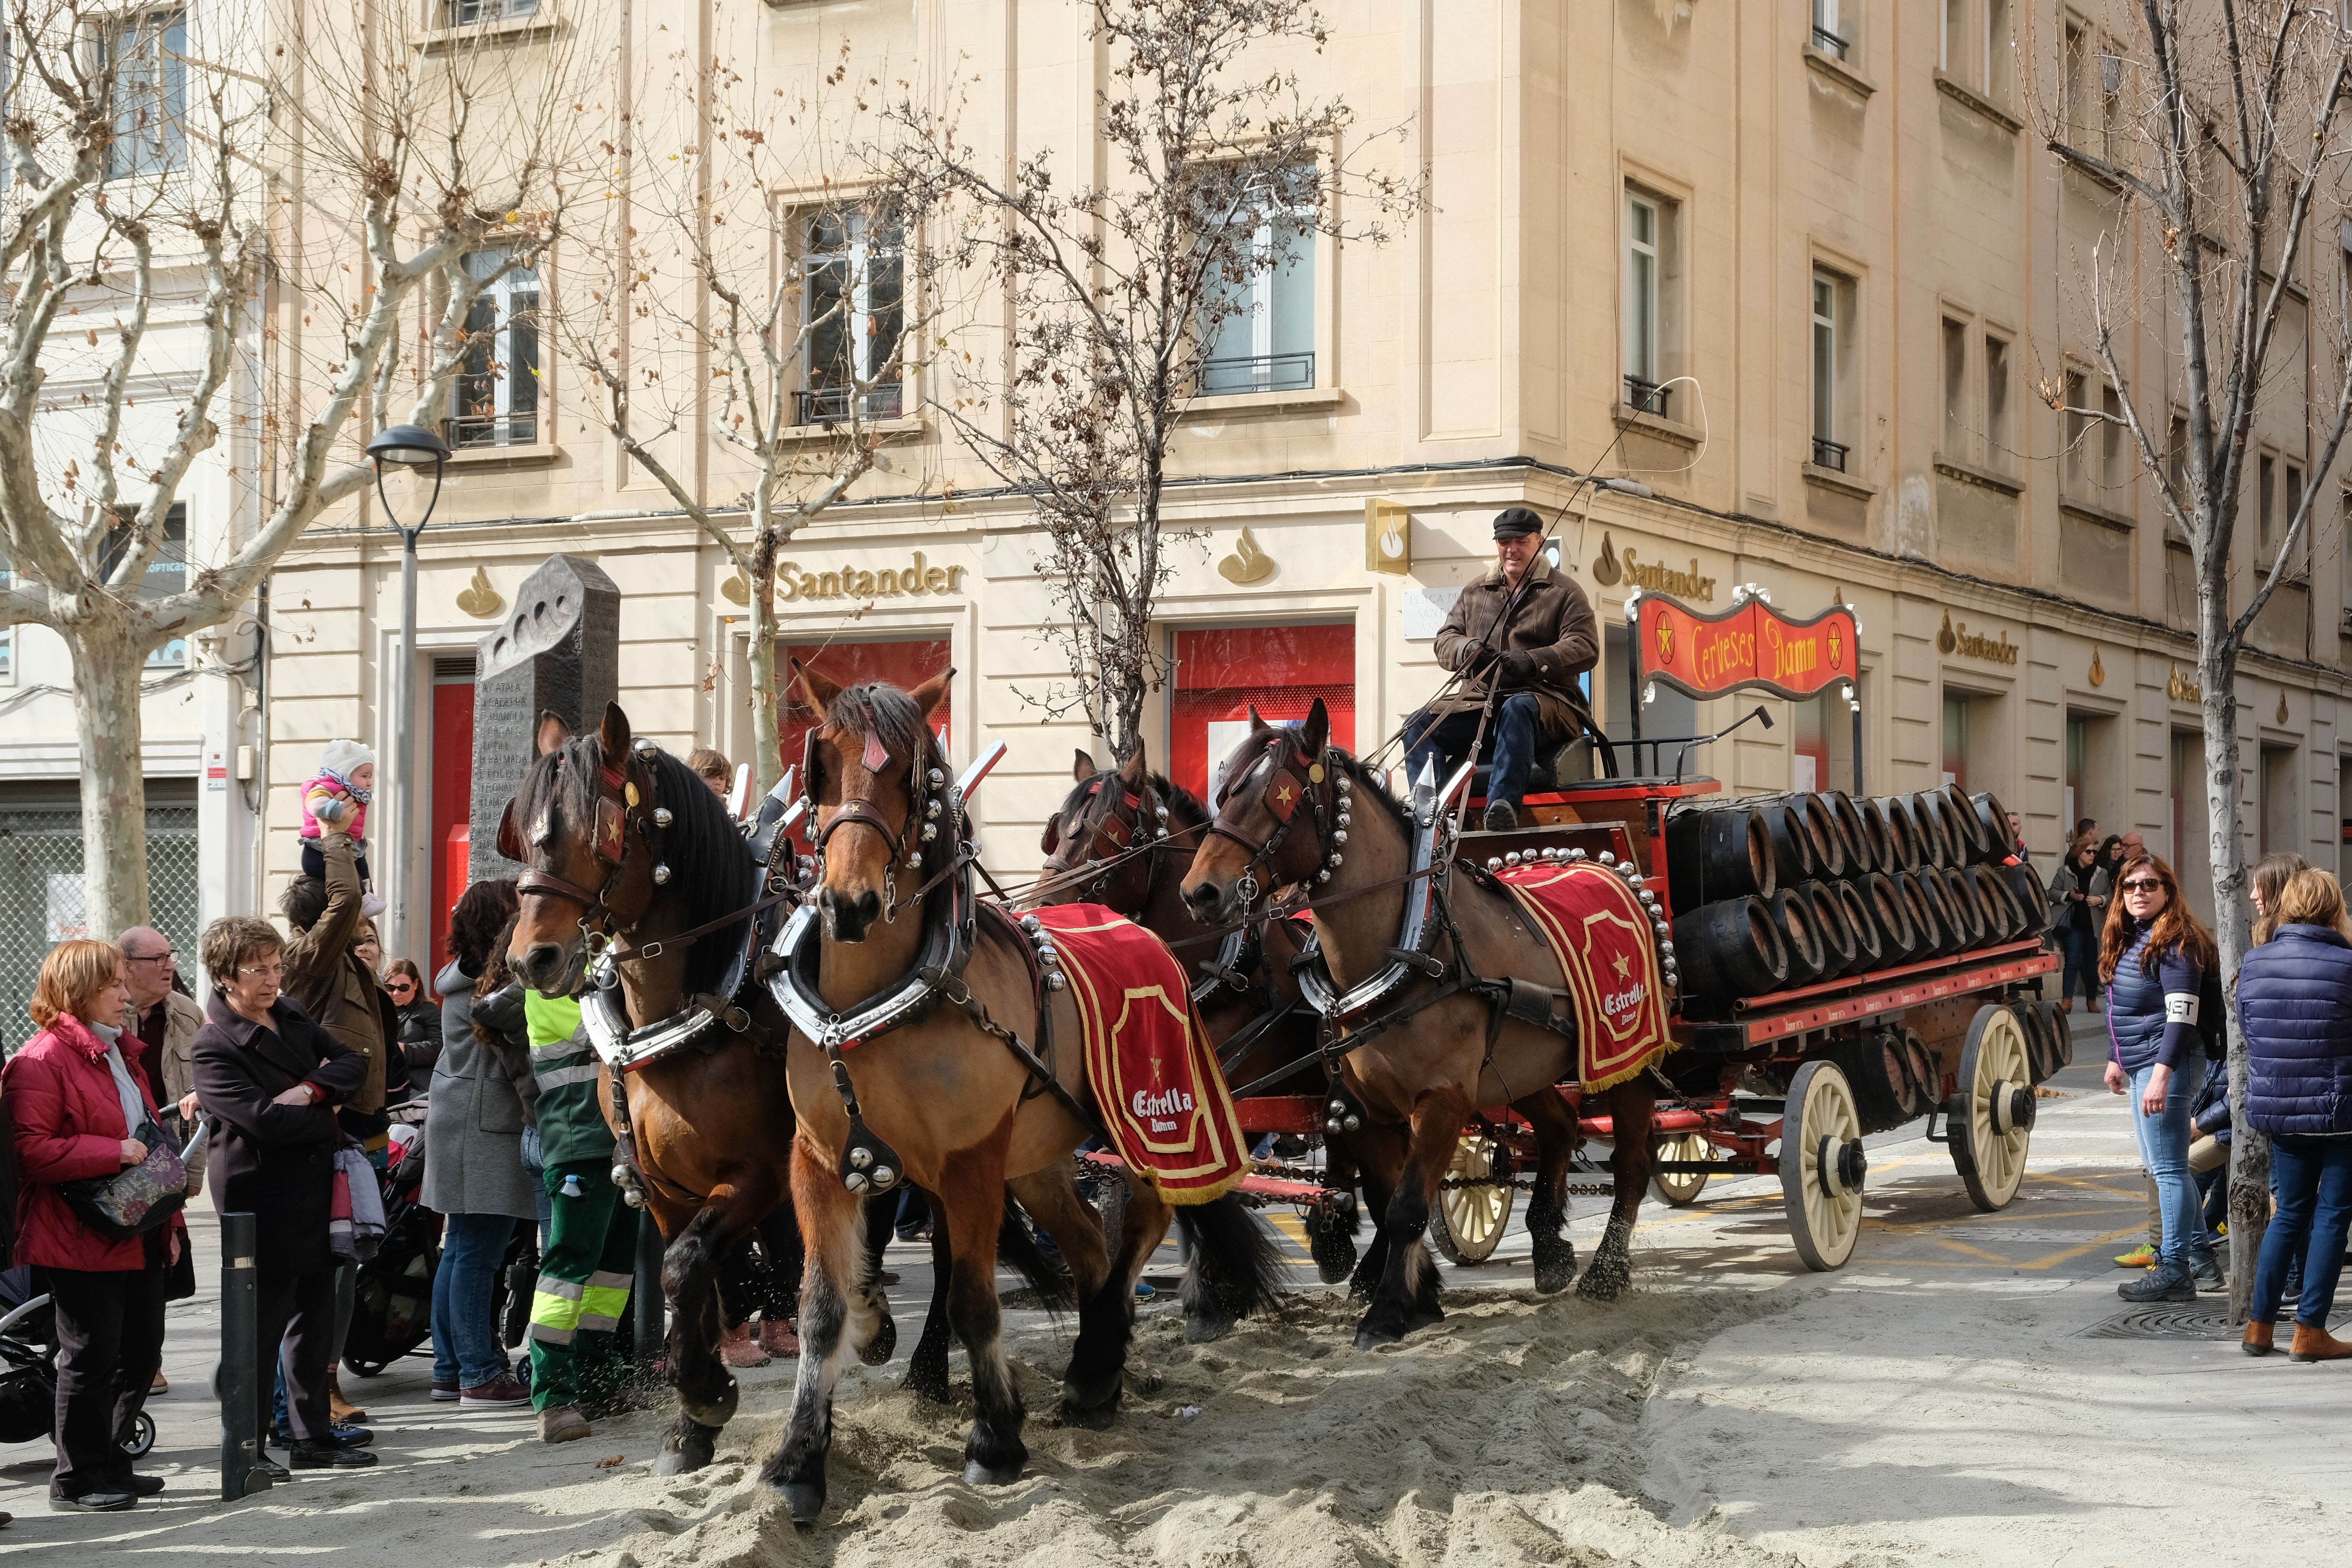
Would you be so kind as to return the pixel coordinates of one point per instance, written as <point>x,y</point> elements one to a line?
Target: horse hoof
<point>1373,1339</point>
<point>1093,1417</point>
<point>1207,1329</point>
<point>877,1349</point>
<point>976,1474</point>
<point>1597,1286</point>
<point>803,1500</point>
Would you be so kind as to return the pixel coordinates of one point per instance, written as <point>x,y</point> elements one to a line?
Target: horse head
<point>581,825</point>
<point>1281,794</point>
<point>1112,814</point>
<point>872,773</point>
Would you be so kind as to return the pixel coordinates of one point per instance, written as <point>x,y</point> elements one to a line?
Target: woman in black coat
<point>269,1080</point>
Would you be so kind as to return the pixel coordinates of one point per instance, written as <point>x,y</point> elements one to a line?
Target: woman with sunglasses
<point>419,1017</point>
<point>2154,957</point>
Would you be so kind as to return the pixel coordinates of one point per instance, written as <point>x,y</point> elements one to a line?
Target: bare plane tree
<point>1127,296</point>
<point>2224,122</point>
<point>151,162</point>
<point>751,291</point>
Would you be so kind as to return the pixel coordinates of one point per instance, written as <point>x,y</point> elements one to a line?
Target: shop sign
<point>2180,689</point>
<point>1749,644</point>
<point>792,582</point>
<point>1957,639</point>
<point>1388,536</point>
<point>1650,578</point>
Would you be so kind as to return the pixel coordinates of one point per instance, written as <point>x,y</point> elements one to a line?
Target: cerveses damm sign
<point>855,582</point>
<point>1749,644</point>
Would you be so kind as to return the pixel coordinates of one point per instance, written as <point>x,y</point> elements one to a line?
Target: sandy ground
<point>1934,1401</point>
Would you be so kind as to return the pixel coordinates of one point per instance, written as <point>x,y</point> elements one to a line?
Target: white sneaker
<point>371,906</point>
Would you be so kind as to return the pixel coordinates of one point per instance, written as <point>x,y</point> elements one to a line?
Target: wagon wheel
<point>1822,1165</point>
<point>1467,1223</point>
<point>1679,1189</point>
<point>1991,1113</point>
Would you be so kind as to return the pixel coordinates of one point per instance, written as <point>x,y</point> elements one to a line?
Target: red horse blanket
<point>1154,1076</point>
<point>1601,935</point>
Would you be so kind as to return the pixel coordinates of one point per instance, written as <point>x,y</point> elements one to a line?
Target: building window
<point>1652,270</point>
<point>1221,671</point>
<point>167,572</point>
<point>1259,326</point>
<point>2074,82</point>
<point>1996,49</point>
<point>1956,740</point>
<point>145,57</point>
<point>1832,412</point>
<point>498,381</point>
<point>2115,470</point>
<point>2266,524</point>
<point>853,307</point>
<point>2078,435</point>
<point>1829,35</point>
<point>1956,388</point>
<point>473,13</point>
<point>2180,585</point>
<point>2290,498</point>
<point>1996,402</point>
<point>2278,830</point>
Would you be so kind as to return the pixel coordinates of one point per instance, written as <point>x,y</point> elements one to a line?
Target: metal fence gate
<point>41,896</point>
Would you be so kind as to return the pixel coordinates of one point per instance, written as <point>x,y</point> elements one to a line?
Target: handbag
<point>136,1199</point>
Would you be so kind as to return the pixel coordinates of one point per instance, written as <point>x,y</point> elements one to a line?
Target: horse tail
<point>1017,1249</point>
<point>1236,1268</point>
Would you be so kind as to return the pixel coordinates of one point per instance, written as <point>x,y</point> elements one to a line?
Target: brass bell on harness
<point>661,875</point>
<point>661,816</point>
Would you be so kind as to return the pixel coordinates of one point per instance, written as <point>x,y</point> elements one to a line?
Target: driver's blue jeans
<point>1510,743</point>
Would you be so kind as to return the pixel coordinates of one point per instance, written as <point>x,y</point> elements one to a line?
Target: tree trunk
<point>107,666</point>
<point>2249,1172</point>
<point>768,763</point>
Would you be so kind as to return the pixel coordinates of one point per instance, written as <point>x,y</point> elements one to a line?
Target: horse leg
<point>1407,1297</point>
<point>1380,1151</point>
<point>1555,1128</point>
<point>835,1315</point>
<point>707,1392</point>
<point>974,1192</point>
<point>1631,1105</point>
<point>1331,1225</point>
<point>1090,1387</point>
<point>927,1371</point>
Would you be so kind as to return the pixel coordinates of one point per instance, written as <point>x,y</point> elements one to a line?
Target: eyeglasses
<point>2143,884</point>
<point>163,957</point>
<point>262,971</point>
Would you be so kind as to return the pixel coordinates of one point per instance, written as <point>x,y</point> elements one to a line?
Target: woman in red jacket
<point>75,1105</point>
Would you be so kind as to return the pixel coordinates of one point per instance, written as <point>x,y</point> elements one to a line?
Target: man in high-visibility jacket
<point>583,1277</point>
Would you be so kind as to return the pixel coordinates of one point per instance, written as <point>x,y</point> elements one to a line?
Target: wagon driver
<point>1535,645</point>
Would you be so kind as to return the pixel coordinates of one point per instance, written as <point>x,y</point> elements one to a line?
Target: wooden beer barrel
<point>1730,948</point>
<point>1720,853</point>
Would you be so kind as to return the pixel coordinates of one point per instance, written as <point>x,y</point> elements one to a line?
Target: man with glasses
<point>157,1050</point>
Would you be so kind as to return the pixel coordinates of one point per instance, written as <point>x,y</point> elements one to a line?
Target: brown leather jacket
<point>334,988</point>
<point>1552,620</point>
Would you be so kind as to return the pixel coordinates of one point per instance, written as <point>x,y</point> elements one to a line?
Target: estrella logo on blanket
<point>1149,1107</point>
<point>1617,1004</point>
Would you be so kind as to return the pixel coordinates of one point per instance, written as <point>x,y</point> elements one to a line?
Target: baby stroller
<point>391,1312</point>
<point>29,1370</point>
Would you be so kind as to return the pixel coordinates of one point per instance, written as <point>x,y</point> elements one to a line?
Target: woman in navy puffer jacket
<point>2295,1002</point>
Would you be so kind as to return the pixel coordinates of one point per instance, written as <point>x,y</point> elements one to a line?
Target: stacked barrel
<point>1781,891</point>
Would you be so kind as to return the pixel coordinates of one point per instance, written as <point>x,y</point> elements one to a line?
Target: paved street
<point>1940,1399</point>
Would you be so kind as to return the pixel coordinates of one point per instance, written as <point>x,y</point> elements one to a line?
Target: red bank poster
<point>1749,644</point>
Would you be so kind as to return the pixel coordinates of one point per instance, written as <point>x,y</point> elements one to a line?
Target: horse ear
<point>1047,840</point>
<point>552,733</point>
<point>933,693</point>
<point>1136,770</point>
<point>1256,723</point>
<point>613,735</point>
<point>1315,732</point>
<point>510,839</point>
<point>815,688</point>
<point>1083,768</point>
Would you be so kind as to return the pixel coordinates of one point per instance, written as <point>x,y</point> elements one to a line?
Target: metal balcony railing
<point>1830,44</point>
<point>494,429</point>
<point>1648,398</point>
<point>1828,454</point>
<point>1258,372</point>
<point>831,405</point>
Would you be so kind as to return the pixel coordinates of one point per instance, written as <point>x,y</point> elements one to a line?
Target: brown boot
<point>561,1424</point>
<point>776,1336</point>
<point>342,1411</point>
<point>737,1348</point>
<point>2314,1343</point>
<point>2258,1338</point>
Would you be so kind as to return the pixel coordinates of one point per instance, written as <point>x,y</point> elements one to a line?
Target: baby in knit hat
<point>337,800</point>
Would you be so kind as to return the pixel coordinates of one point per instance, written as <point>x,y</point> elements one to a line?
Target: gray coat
<point>474,1120</point>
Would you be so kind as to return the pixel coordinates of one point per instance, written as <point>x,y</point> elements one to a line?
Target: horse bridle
<point>924,779</point>
<point>1281,796</point>
<point>621,805</point>
<point>1115,836</point>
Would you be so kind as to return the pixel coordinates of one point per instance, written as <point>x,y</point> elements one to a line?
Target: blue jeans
<point>2313,1179</point>
<point>1510,743</point>
<point>2163,1140</point>
<point>466,1349</point>
<point>2082,951</point>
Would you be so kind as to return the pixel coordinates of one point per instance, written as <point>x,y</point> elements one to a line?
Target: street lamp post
<point>409,447</point>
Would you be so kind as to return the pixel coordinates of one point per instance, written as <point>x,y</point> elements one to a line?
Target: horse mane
<point>1373,783</point>
<point>878,708</point>
<point>712,870</point>
<point>1184,808</point>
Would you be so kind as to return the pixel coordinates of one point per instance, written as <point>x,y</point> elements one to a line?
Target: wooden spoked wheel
<point>1467,1223</point>
<point>1991,1113</point>
<point>1822,1166</point>
<point>1680,1189</point>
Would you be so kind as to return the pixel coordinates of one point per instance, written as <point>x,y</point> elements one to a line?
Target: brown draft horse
<point>712,1123</point>
<point>1109,815</point>
<point>951,1099</point>
<point>1285,817</point>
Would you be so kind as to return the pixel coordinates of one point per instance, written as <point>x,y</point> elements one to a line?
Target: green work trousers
<point>583,1286</point>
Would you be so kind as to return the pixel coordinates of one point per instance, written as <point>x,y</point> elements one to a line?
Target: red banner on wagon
<point>1751,645</point>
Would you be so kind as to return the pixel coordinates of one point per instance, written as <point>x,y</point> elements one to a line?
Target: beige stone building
<point>1797,266</point>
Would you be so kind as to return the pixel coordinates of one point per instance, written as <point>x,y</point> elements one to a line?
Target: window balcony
<point>1830,44</point>
<point>1829,453</point>
<point>1648,398</point>
<point>494,430</point>
<point>1256,373</point>
<point>837,405</point>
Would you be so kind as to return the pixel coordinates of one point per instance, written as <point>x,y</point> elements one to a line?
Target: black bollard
<point>646,1291</point>
<point>240,1377</point>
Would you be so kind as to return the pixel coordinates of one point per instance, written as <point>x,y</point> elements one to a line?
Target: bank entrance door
<point>1221,671</point>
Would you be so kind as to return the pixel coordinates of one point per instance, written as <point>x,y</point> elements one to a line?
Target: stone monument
<point>557,651</point>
